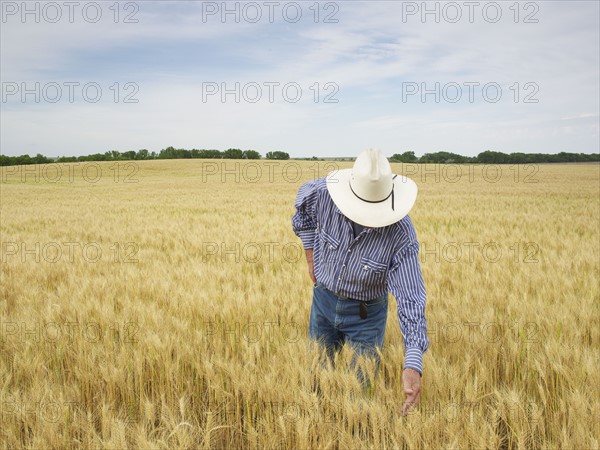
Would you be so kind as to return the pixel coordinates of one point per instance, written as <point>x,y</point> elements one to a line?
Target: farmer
<point>360,244</point>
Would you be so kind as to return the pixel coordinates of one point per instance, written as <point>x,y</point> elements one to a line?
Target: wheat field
<point>165,304</point>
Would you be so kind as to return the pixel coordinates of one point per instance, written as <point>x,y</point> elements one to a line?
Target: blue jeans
<point>334,321</point>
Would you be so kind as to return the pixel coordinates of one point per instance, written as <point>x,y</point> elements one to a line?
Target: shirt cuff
<point>308,238</point>
<point>414,359</point>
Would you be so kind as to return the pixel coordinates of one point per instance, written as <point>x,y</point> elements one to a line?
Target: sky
<point>324,79</point>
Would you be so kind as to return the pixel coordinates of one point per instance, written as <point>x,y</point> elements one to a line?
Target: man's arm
<point>304,221</point>
<point>407,286</point>
<point>311,265</point>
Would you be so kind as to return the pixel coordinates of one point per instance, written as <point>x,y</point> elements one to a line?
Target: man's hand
<point>412,389</point>
<point>311,265</point>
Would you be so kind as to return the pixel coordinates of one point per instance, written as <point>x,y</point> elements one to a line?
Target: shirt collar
<point>377,229</point>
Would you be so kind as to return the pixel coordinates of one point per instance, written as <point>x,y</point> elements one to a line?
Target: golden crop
<point>165,304</point>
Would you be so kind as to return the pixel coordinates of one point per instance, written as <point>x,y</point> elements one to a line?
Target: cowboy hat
<point>369,193</point>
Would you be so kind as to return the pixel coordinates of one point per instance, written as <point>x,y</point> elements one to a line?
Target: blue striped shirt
<point>377,261</point>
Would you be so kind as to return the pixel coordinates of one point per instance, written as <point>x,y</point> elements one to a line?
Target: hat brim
<point>366,213</point>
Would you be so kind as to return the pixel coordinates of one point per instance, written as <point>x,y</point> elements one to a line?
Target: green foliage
<point>23,160</point>
<point>445,158</point>
<point>278,155</point>
<point>142,154</point>
<point>406,157</point>
<point>251,154</point>
<point>487,157</point>
<point>173,153</point>
<point>233,153</point>
<point>206,154</point>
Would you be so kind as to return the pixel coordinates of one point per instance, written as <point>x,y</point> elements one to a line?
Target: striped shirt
<point>377,261</point>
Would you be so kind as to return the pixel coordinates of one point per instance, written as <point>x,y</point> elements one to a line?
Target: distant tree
<point>443,158</point>
<point>113,155</point>
<point>206,154</point>
<point>40,159</point>
<point>406,157</point>
<point>590,157</point>
<point>517,158</point>
<point>93,157</point>
<point>142,154</point>
<point>213,154</point>
<point>490,157</point>
<point>278,155</point>
<point>233,153</point>
<point>167,153</point>
<point>66,159</point>
<point>24,159</point>
<point>129,155</point>
<point>251,154</point>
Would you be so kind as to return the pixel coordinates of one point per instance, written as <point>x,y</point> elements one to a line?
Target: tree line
<point>487,157</point>
<point>143,154</point>
<point>491,157</point>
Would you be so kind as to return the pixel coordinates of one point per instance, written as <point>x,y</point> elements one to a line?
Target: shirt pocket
<point>372,272</point>
<point>329,247</point>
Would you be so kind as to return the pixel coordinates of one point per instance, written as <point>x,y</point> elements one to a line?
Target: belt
<point>362,306</point>
<point>322,286</point>
<point>362,303</point>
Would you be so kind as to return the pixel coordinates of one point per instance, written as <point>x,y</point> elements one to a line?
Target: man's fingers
<point>410,400</point>
<point>410,403</point>
<point>412,390</point>
<point>408,387</point>
<point>411,397</point>
<point>311,271</point>
<point>404,408</point>
<point>407,407</point>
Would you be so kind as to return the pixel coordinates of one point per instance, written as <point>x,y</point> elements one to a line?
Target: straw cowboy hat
<point>369,193</point>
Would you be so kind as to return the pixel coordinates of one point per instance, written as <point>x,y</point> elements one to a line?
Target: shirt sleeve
<point>407,286</point>
<point>304,221</point>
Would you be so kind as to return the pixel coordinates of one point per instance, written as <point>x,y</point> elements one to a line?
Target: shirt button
<point>366,267</point>
<point>349,250</point>
<point>331,247</point>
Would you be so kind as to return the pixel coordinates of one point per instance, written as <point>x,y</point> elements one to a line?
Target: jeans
<point>334,321</point>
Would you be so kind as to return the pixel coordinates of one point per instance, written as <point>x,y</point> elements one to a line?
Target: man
<point>360,244</point>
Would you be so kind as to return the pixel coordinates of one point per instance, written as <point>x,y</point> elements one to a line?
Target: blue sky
<point>365,57</point>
